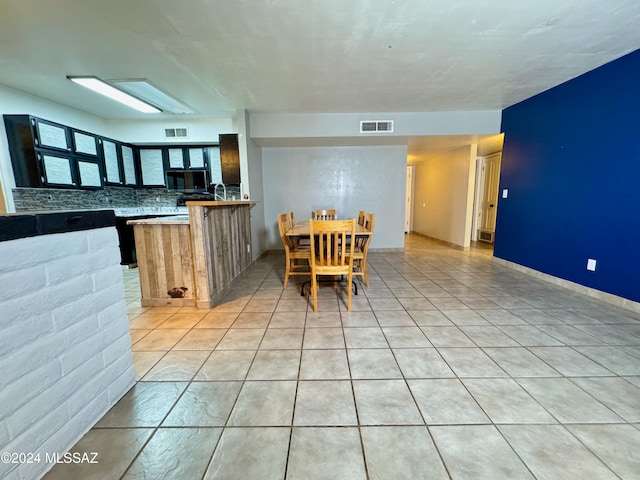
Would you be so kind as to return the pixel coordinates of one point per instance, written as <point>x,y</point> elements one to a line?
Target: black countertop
<point>15,226</point>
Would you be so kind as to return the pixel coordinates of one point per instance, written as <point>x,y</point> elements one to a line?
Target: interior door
<point>489,201</point>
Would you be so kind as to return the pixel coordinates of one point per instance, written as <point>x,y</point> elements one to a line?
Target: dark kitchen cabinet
<point>48,154</point>
<point>230,158</point>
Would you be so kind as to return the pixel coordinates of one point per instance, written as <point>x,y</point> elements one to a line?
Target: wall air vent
<point>176,133</point>
<point>370,126</point>
<point>485,236</point>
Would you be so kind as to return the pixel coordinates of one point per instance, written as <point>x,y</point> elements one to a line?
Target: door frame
<point>408,206</point>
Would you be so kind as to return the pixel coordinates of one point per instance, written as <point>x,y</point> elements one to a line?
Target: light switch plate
<point>505,193</point>
<point>591,265</point>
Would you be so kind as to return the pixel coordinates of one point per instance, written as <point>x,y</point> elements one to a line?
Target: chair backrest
<point>363,241</point>
<point>290,220</point>
<point>361,215</point>
<point>329,246</point>
<point>369,221</point>
<point>323,214</point>
<point>283,226</point>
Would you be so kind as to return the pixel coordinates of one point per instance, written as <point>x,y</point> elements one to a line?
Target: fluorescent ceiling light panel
<point>97,85</point>
<point>144,89</point>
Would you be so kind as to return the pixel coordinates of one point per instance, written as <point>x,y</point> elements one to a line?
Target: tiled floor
<point>449,366</point>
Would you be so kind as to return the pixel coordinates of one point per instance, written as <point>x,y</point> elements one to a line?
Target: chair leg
<point>287,269</point>
<point>314,291</point>
<point>365,272</point>
<point>349,282</point>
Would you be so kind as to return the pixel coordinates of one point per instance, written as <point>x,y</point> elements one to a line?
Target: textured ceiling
<point>312,56</point>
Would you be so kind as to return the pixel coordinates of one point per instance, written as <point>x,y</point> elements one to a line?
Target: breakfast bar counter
<point>190,260</point>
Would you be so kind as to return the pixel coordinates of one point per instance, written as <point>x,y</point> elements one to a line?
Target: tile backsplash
<point>38,199</point>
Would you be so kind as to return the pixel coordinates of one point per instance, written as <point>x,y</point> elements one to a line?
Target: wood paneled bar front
<point>199,254</point>
<point>221,241</point>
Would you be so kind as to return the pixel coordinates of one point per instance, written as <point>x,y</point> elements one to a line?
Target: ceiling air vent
<point>369,126</point>
<point>176,133</point>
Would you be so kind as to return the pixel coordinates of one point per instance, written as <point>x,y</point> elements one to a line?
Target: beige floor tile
<point>144,361</point>
<point>115,449</point>
<point>385,402</point>
<point>217,319</point>
<point>201,339</point>
<point>175,453</point>
<point>149,320</point>
<point>177,366</point>
<point>315,338</point>
<point>262,404</point>
<point>145,405</point>
<point>182,320</point>
<point>324,365</point>
<point>245,453</point>
<point>321,453</point>
<point>275,365</point>
<point>160,339</point>
<point>204,404</point>
<point>226,365</point>
<point>446,401</point>
<point>401,452</point>
<point>478,452</point>
<point>328,403</point>
<point>546,448</point>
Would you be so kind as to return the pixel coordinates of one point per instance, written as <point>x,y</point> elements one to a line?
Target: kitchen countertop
<point>218,203</point>
<point>119,211</point>
<point>166,220</point>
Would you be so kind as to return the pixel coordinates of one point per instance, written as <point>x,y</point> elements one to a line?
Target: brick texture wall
<point>37,199</point>
<point>65,355</point>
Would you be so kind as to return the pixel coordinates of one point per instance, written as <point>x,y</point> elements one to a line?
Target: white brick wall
<point>65,355</point>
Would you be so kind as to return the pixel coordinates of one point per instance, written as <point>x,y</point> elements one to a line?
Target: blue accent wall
<point>571,162</point>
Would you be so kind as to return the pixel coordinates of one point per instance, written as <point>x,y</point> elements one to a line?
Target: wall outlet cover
<point>591,265</point>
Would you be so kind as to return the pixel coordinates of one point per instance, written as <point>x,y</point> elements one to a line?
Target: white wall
<point>152,131</point>
<point>348,179</point>
<point>443,200</point>
<point>336,125</point>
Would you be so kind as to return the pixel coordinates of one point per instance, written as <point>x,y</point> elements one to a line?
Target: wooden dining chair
<point>297,256</point>
<point>331,254</point>
<point>361,249</point>
<point>323,214</point>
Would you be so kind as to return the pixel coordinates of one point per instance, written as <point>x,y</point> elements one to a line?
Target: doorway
<point>486,199</point>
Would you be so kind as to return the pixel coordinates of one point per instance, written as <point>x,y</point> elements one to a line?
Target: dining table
<point>303,230</point>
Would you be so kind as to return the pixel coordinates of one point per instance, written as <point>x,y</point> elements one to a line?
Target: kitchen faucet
<point>215,192</point>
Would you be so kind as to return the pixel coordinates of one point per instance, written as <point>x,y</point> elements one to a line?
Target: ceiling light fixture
<point>102,87</point>
<point>145,90</point>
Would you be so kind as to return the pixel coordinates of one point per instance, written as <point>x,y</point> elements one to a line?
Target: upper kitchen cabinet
<point>129,166</point>
<point>84,143</point>
<point>152,166</point>
<point>187,157</point>
<point>111,154</point>
<point>230,158</point>
<point>50,135</point>
<point>118,163</point>
<point>41,152</point>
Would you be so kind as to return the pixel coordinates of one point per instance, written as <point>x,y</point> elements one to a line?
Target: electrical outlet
<point>591,265</point>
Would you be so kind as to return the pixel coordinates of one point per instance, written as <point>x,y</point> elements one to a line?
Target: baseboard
<point>576,287</point>
<point>444,242</point>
